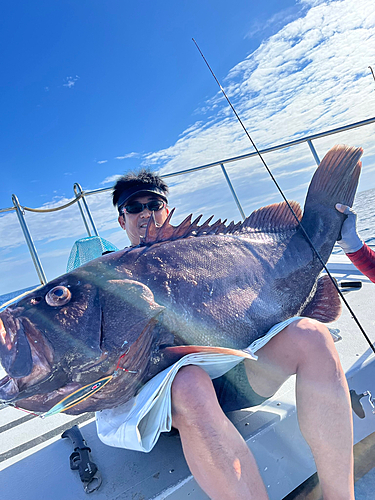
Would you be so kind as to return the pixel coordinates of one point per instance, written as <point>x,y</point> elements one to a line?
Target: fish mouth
<point>15,351</point>
<point>25,355</point>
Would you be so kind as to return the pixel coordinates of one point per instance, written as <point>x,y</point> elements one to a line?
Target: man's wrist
<point>351,246</point>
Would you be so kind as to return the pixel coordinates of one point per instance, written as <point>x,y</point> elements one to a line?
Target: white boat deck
<point>34,460</point>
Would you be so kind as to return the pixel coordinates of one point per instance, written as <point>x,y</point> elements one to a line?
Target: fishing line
<point>287,202</point>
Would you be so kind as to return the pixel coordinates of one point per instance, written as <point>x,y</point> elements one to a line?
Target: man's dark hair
<point>143,179</point>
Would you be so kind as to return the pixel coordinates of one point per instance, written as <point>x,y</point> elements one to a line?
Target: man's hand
<point>350,241</point>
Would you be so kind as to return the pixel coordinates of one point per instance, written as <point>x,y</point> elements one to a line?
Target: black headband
<point>139,189</point>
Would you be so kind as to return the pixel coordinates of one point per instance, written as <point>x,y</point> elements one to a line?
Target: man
<point>217,455</point>
<point>137,196</point>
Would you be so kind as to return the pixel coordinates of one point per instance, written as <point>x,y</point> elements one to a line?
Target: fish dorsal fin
<point>186,228</point>
<point>325,305</point>
<point>271,219</point>
<point>155,233</point>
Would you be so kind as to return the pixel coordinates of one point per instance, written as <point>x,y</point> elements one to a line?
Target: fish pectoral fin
<point>325,305</point>
<point>182,350</point>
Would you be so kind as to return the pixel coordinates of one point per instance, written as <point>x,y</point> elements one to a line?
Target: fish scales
<point>226,264</point>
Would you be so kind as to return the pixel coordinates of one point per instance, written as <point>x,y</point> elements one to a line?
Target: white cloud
<point>70,81</point>
<point>102,161</point>
<point>61,224</point>
<point>310,76</point>
<point>111,179</point>
<point>128,155</point>
<point>312,3</point>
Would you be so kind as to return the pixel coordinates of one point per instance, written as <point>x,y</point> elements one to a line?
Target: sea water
<point>364,205</point>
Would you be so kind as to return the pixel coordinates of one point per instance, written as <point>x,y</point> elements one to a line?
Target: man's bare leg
<point>216,453</point>
<point>323,405</point>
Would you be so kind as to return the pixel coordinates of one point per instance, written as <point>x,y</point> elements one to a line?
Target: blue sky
<point>92,89</point>
<point>90,81</point>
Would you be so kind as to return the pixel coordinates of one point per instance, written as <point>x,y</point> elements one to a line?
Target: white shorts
<point>137,424</point>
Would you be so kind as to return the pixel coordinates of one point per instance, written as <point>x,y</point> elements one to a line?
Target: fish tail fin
<point>335,181</point>
<point>336,178</point>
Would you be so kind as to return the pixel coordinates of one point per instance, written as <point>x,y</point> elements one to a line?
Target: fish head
<point>71,332</point>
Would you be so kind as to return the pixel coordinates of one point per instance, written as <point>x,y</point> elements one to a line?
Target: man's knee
<point>310,332</point>
<point>312,339</point>
<point>192,394</point>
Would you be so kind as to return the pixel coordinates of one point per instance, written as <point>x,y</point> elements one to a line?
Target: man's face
<point>135,224</point>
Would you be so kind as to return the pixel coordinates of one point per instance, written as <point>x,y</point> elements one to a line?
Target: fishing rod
<point>288,204</point>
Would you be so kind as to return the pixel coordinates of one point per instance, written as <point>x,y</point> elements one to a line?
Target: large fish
<point>209,285</point>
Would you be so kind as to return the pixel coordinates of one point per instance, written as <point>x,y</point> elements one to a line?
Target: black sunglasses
<point>136,207</point>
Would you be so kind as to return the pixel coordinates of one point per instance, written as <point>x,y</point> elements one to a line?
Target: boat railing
<point>88,220</point>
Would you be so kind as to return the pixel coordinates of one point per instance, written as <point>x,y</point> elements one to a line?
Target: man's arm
<point>358,252</point>
<point>364,260</point>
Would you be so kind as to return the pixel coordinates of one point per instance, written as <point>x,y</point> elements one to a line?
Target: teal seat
<point>86,249</point>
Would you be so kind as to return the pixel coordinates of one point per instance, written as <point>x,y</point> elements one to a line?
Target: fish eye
<point>58,296</point>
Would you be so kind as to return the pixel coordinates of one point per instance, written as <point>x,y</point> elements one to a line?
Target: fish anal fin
<point>325,306</point>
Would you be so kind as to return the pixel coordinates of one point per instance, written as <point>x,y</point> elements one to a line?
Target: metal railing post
<point>233,191</point>
<point>29,241</point>
<point>81,210</point>
<point>313,151</point>
<point>80,192</point>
